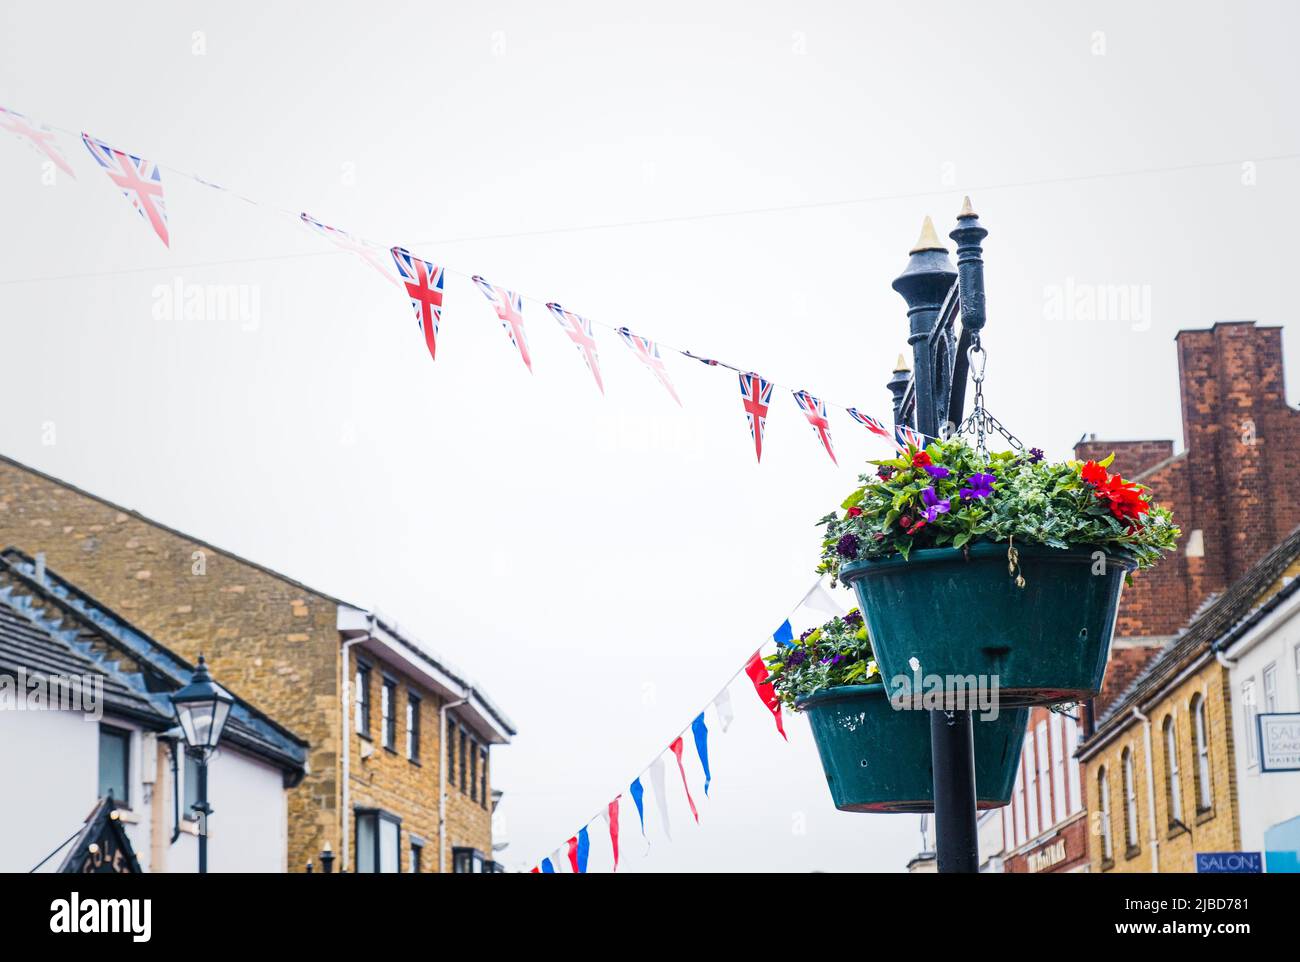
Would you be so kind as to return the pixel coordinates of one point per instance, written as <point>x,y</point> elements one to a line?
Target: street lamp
<point>202,708</point>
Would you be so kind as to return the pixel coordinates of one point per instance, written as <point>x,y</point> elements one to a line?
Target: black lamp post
<point>931,401</point>
<point>202,708</point>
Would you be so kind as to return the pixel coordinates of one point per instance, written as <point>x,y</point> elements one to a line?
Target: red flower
<point>920,460</point>
<point>854,512</point>
<point>905,522</point>
<point>1094,473</point>
<point>917,527</point>
<point>1125,499</point>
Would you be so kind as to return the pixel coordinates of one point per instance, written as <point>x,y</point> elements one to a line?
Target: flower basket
<point>877,759</point>
<point>961,613</point>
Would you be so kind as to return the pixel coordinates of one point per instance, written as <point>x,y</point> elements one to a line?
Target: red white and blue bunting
<point>140,181</point>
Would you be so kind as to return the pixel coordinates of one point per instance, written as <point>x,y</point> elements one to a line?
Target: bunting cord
<point>687,727</point>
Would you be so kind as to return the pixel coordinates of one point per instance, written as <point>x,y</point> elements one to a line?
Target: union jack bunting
<point>647,352</point>
<point>510,309</point>
<point>579,330</point>
<point>904,436</point>
<point>815,411</point>
<point>874,425</point>
<point>424,285</point>
<point>756,395</point>
<point>139,179</point>
<point>39,136</point>
<point>344,241</point>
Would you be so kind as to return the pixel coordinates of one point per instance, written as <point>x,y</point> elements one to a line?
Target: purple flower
<point>804,636</point>
<point>796,659</point>
<point>937,471</point>
<point>854,618</point>
<point>1035,455</point>
<point>847,546</point>
<point>933,505</point>
<point>978,486</point>
<point>832,660</point>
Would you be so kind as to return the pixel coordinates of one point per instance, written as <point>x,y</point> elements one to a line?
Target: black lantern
<point>202,708</point>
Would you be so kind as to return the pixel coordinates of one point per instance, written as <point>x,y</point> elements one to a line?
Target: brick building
<point>317,664</point>
<point>1232,493</point>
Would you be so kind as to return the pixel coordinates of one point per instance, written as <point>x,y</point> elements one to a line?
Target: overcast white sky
<point>602,566</point>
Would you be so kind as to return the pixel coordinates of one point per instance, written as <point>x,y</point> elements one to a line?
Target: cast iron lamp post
<point>931,401</point>
<point>202,708</point>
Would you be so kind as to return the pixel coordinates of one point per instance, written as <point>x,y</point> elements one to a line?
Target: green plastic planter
<point>877,759</point>
<point>961,614</point>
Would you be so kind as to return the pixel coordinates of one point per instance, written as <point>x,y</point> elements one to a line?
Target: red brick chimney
<point>1233,490</point>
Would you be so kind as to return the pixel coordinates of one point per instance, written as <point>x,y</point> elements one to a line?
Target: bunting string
<point>817,598</point>
<point>140,181</point>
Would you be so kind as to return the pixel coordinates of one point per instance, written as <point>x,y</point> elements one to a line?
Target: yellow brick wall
<point>388,780</point>
<point>269,641</point>
<point>1215,830</point>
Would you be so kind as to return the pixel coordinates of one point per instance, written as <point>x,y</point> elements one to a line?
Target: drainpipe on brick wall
<point>344,689</point>
<point>1151,788</point>
<point>442,776</point>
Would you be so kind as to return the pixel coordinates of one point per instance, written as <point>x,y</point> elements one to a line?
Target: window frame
<point>483,776</point>
<point>1268,682</point>
<point>413,704</point>
<point>1201,748</point>
<point>126,736</point>
<point>451,752</point>
<point>1250,710</point>
<point>1173,775</point>
<point>378,815</point>
<point>1103,802</point>
<point>1032,805</point>
<point>361,694</point>
<point>1132,821</point>
<point>388,713</point>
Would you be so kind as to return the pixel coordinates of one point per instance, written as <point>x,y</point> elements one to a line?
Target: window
<point>1018,803</point>
<point>417,856</point>
<point>191,785</point>
<point>1249,708</point>
<point>464,747</point>
<point>1296,653</point>
<point>451,754</point>
<point>388,711</point>
<point>363,699</point>
<point>1031,793</point>
<point>115,764</point>
<point>1044,774</point>
<point>1130,804</point>
<point>1270,691</point>
<point>1059,722</point>
<point>1173,785</point>
<point>1072,745</point>
<point>473,772</point>
<point>413,727</point>
<point>1103,796</point>
<point>1201,741</point>
<point>482,778</point>
<point>467,860</point>
<point>378,842</point>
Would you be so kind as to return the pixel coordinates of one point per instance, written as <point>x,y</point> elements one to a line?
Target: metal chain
<point>980,420</point>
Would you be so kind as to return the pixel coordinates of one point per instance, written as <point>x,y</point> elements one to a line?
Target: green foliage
<point>837,653</point>
<point>1030,501</point>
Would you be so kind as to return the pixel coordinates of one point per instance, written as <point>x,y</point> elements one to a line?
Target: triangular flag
<point>661,794</point>
<point>784,635</point>
<point>905,437</point>
<point>726,715</point>
<point>346,242</point>
<point>558,861</point>
<point>701,733</point>
<point>580,333</point>
<point>534,870</point>
<point>819,599</point>
<point>814,410</point>
<point>38,135</point>
<point>140,181</point>
<point>572,846</point>
<point>874,425</point>
<point>676,748</point>
<point>584,850</point>
<point>637,792</point>
<point>756,395</point>
<point>647,352</point>
<point>423,282</point>
<point>510,310</point>
<point>758,673</point>
<point>547,867</point>
<point>611,820</point>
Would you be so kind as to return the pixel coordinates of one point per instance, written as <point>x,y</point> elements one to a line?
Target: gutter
<point>1151,789</point>
<point>442,775</point>
<point>345,687</point>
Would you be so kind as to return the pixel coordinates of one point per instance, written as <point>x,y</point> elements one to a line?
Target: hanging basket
<point>962,614</point>
<point>877,759</point>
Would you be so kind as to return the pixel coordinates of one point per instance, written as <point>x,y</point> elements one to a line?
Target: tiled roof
<point>54,628</point>
<point>1219,617</point>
